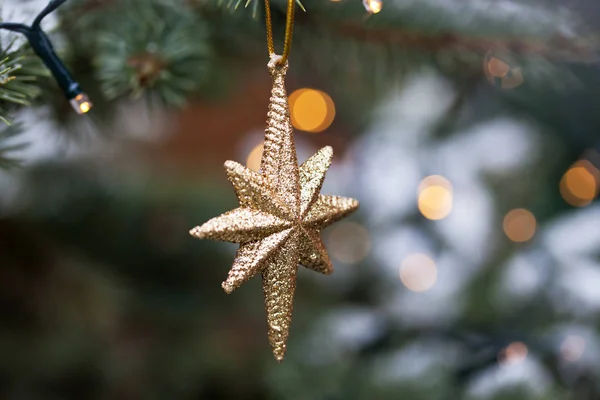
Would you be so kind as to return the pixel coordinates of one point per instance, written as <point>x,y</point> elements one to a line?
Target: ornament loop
<point>289,28</point>
<point>275,65</point>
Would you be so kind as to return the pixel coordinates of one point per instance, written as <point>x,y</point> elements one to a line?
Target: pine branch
<point>8,146</point>
<point>19,73</point>
<point>414,26</point>
<point>186,37</point>
<point>558,48</point>
<point>142,47</point>
<point>16,85</point>
<point>255,4</point>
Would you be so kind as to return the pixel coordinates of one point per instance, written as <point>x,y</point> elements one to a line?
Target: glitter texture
<point>280,217</point>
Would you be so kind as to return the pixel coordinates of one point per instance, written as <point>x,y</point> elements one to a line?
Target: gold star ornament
<point>281,214</point>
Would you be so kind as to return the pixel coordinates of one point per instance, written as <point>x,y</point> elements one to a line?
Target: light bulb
<point>81,103</point>
<point>373,6</point>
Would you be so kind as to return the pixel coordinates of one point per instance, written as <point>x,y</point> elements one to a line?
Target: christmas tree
<point>466,129</point>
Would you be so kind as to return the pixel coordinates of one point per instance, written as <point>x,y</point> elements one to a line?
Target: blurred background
<point>467,129</point>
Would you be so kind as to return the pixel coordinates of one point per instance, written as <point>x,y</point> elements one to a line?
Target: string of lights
<point>42,46</point>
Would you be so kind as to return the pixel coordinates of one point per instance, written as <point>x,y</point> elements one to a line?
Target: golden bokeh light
<point>349,242</point>
<point>500,73</point>
<point>253,160</point>
<point>435,197</point>
<point>311,110</point>
<point>579,185</point>
<point>497,67</point>
<point>514,353</point>
<point>519,225</point>
<point>572,348</point>
<point>373,6</point>
<point>418,272</point>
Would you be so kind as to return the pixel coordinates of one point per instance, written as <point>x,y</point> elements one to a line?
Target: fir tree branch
<point>18,75</point>
<point>558,48</point>
<point>393,30</point>
<point>8,146</point>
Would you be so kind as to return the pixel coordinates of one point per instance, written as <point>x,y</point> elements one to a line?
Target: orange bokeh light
<point>498,68</point>
<point>579,185</point>
<point>519,225</point>
<point>501,73</point>
<point>311,110</point>
<point>253,160</point>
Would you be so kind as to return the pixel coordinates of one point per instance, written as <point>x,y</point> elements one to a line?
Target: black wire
<point>53,5</point>
<point>22,28</point>
<point>42,46</point>
<point>11,26</point>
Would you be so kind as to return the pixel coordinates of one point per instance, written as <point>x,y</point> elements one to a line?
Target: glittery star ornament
<point>280,216</point>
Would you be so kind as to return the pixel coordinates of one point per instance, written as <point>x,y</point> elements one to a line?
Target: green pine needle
<point>20,71</point>
<point>148,49</point>
<point>235,6</point>
<point>8,146</point>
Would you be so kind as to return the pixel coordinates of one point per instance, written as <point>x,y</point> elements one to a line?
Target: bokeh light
<point>81,103</point>
<point>579,185</point>
<point>572,348</point>
<point>418,272</point>
<point>435,197</point>
<point>349,242</point>
<point>253,160</point>
<point>311,110</point>
<point>514,353</point>
<point>519,225</point>
<point>373,6</point>
<point>501,73</point>
<point>497,67</point>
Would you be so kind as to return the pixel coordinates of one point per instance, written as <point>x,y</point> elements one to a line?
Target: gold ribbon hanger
<point>289,29</point>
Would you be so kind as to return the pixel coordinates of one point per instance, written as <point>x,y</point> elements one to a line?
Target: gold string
<point>289,28</point>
